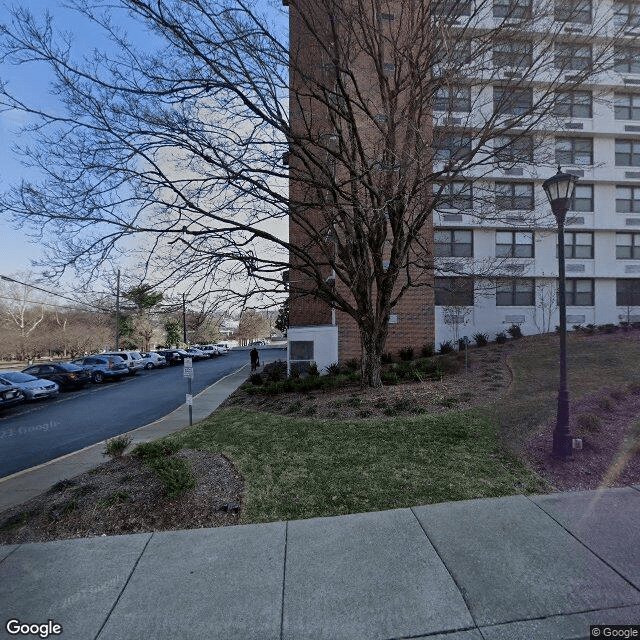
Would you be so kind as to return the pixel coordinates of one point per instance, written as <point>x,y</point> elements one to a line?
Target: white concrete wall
<point>325,344</point>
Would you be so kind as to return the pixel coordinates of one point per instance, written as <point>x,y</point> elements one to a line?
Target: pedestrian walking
<point>255,359</point>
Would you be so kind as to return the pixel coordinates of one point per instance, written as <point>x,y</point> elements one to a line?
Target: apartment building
<point>558,83</point>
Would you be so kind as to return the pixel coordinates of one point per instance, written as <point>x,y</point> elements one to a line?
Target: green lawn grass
<point>303,467</point>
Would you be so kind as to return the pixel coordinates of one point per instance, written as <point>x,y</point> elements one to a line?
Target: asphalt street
<point>35,433</point>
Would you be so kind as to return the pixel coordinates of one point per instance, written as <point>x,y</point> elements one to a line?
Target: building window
<point>573,104</point>
<point>301,350</point>
<point>512,53</point>
<point>626,59</point>
<point>455,195</point>
<point>579,292</point>
<point>513,149</point>
<point>582,199</point>
<point>572,57</point>
<point>453,147</point>
<point>453,99</point>
<point>577,151</point>
<point>573,11</point>
<point>627,153</point>
<point>515,292</point>
<point>578,244</point>
<point>453,53</point>
<point>514,244</point>
<point>626,14</point>
<point>453,291</point>
<point>453,243</point>
<point>386,17</point>
<point>627,106</point>
<point>628,246</point>
<point>512,8</point>
<point>512,101</point>
<point>627,199</point>
<point>452,8</point>
<point>628,292</point>
<point>516,196</point>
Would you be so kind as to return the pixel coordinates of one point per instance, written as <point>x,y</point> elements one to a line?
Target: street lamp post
<point>559,189</point>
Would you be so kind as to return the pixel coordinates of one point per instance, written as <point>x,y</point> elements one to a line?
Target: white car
<point>153,360</point>
<point>198,354</point>
<point>222,347</point>
<point>211,349</point>
<point>132,358</point>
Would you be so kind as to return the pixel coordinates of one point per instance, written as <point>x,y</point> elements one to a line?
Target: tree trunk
<point>372,343</point>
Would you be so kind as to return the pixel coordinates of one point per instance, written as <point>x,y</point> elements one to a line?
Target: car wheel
<point>149,365</point>
<point>98,377</point>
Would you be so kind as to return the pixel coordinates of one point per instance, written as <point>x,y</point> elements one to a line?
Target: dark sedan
<point>10,395</point>
<point>67,376</point>
<point>172,356</point>
<point>102,367</point>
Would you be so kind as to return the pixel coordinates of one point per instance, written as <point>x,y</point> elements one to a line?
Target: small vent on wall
<point>514,319</point>
<point>631,127</point>
<point>631,81</point>
<point>575,268</point>
<point>576,319</point>
<point>575,220</point>
<point>632,174</point>
<point>632,268</point>
<point>574,125</point>
<point>452,217</point>
<point>632,222</point>
<point>515,171</point>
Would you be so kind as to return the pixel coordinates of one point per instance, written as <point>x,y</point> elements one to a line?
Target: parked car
<point>33,388</point>
<point>102,366</point>
<point>152,360</point>
<point>211,349</point>
<point>132,358</point>
<point>172,356</point>
<point>64,374</point>
<point>222,347</point>
<point>9,394</point>
<point>197,354</point>
<point>257,343</point>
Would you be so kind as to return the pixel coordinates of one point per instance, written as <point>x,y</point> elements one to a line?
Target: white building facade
<point>595,134</point>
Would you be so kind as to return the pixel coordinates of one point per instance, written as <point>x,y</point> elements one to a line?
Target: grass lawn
<point>303,467</point>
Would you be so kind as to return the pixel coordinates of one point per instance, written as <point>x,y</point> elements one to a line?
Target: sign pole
<point>188,374</point>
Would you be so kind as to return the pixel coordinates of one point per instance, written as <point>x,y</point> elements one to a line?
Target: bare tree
<point>397,107</point>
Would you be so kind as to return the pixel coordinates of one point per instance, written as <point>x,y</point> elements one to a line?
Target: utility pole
<point>118,313</point>
<point>184,319</point>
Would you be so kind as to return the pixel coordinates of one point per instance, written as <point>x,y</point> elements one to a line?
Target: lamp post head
<point>559,190</point>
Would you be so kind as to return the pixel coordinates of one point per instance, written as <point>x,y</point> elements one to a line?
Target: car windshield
<point>16,376</point>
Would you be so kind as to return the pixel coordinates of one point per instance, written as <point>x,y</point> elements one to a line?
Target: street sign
<point>188,368</point>
<point>189,400</point>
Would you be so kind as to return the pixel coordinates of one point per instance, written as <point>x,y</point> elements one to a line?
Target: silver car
<point>33,388</point>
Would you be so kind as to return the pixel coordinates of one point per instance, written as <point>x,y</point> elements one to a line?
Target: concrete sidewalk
<point>515,568</point>
<point>19,487</point>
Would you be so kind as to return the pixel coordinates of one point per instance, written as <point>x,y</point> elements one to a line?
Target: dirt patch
<point>123,496</point>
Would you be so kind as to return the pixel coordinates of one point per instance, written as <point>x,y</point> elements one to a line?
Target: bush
<point>295,372</point>
<point>389,377</point>
<point>275,371</point>
<point>155,449</point>
<point>256,379</point>
<point>481,339</point>
<point>514,331</point>
<point>577,328</point>
<point>333,369</point>
<point>174,473</point>
<point>589,422</point>
<point>115,446</point>
<point>590,328</point>
<point>312,371</point>
<point>501,337</point>
<point>352,365</point>
<point>406,354</point>
<point>386,358</point>
<point>427,351</point>
<point>446,347</point>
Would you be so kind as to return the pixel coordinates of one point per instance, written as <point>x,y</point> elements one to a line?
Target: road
<point>33,433</point>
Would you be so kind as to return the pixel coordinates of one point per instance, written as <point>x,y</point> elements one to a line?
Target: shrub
<point>389,377</point>
<point>427,351</point>
<point>333,369</point>
<point>310,410</point>
<point>446,347</point>
<point>275,371</point>
<point>294,407</point>
<point>312,371</point>
<point>386,358</point>
<point>590,328</point>
<point>354,401</point>
<point>577,328</point>
<point>295,372</point>
<point>514,331</point>
<point>174,473</point>
<point>352,365</point>
<point>155,449</point>
<point>605,404</point>
<point>501,337</point>
<point>406,354</point>
<point>625,326</point>
<point>115,446</point>
<point>256,379</point>
<point>589,422</point>
<point>481,339</point>
<point>356,376</point>
<point>116,496</point>
<point>364,413</point>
